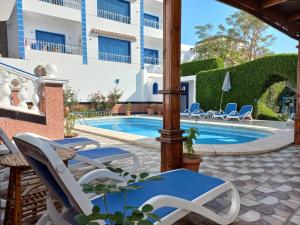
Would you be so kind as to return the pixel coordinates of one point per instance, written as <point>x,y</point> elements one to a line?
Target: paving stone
<point>296,219</point>
<point>249,202</point>
<point>265,189</point>
<point>250,216</point>
<point>283,188</point>
<point>270,200</point>
<point>272,220</point>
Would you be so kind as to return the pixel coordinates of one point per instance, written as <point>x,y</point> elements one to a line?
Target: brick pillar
<point>52,105</point>
<point>15,96</point>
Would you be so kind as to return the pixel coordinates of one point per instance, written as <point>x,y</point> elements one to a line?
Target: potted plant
<point>129,214</point>
<point>128,109</point>
<point>150,110</point>
<point>69,126</point>
<point>70,100</point>
<point>190,159</point>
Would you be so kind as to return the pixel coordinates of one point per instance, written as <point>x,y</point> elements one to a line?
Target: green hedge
<point>191,68</point>
<point>249,82</point>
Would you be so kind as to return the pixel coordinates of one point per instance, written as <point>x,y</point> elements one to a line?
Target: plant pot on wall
<point>128,113</point>
<point>193,163</point>
<point>71,135</point>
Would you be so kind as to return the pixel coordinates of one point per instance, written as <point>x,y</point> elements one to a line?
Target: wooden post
<point>297,118</point>
<point>171,135</point>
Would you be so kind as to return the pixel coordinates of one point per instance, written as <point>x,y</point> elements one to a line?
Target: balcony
<point>113,16</point>
<point>152,24</point>
<point>152,61</point>
<point>74,4</point>
<point>114,57</point>
<point>52,47</point>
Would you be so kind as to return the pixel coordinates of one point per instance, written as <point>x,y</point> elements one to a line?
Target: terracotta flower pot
<point>66,110</point>
<point>192,164</point>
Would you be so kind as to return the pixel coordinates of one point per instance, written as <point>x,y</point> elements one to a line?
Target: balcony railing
<point>113,16</point>
<point>152,24</point>
<point>52,47</point>
<point>152,61</point>
<point>114,58</point>
<point>74,4</point>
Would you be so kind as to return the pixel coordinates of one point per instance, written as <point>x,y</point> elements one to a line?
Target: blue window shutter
<point>50,37</point>
<point>155,88</point>
<point>113,49</point>
<point>151,17</point>
<point>115,6</point>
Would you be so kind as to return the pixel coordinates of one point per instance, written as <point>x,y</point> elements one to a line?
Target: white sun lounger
<point>170,198</point>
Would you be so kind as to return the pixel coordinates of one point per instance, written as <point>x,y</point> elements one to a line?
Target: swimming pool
<point>209,134</point>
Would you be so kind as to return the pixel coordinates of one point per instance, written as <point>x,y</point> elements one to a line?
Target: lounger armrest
<point>186,111</point>
<point>196,205</point>
<point>232,113</point>
<point>98,174</point>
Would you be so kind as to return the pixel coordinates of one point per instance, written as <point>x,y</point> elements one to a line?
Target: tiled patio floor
<point>269,184</point>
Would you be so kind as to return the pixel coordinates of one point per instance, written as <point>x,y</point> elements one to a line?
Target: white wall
<point>71,30</point>
<point>12,35</point>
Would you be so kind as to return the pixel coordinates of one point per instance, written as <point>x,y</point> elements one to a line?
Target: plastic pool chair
<point>170,198</point>
<point>229,110</point>
<point>245,113</point>
<point>188,112</point>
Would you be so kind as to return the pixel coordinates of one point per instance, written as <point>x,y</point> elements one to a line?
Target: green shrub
<point>265,113</point>
<point>249,82</point>
<point>192,68</point>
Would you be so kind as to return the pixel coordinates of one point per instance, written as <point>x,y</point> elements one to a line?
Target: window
<point>155,88</point>
<point>151,21</point>
<point>49,41</point>
<point>114,50</point>
<point>118,10</point>
<point>151,56</point>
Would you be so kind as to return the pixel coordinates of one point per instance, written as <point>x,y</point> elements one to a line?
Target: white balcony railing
<point>74,4</point>
<point>114,58</point>
<point>152,24</point>
<point>152,61</point>
<point>13,78</point>
<point>52,47</point>
<point>113,16</point>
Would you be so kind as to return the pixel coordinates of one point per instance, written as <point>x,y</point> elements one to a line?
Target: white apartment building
<point>95,44</point>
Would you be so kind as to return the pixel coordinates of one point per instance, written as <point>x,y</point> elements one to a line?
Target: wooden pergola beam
<point>269,3</point>
<point>297,118</point>
<point>294,17</point>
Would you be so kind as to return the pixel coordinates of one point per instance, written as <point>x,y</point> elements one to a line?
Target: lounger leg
<point>135,164</point>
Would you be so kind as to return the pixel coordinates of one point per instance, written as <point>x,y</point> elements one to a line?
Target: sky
<point>200,12</point>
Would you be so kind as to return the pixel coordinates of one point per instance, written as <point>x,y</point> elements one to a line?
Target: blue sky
<point>200,12</point>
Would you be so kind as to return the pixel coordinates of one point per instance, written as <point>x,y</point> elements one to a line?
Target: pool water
<point>209,134</point>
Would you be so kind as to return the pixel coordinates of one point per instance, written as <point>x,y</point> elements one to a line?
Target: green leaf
<point>137,215</point>
<point>93,223</point>
<point>133,176</point>
<point>144,175</point>
<point>96,210</point>
<point>153,216</point>
<point>82,219</point>
<point>129,223</point>
<point>144,222</point>
<point>147,208</point>
<point>154,178</point>
<point>125,174</point>
<point>130,207</point>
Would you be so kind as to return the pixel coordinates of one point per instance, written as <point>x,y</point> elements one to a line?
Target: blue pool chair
<point>244,113</point>
<point>230,109</point>
<point>194,108</point>
<point>170,198</point>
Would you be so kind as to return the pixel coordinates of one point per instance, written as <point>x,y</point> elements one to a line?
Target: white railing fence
<point>114,57</point>
<point>152,24</point>
<point>74,4</point>
<point>28,85</point>
<point>52,47</point>
<point>153,61</point>
<point>113,16</point>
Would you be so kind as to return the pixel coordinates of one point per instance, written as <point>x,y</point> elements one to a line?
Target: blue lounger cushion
<point>71,140</point>
<point>181,183</point>
<point>98,153</point>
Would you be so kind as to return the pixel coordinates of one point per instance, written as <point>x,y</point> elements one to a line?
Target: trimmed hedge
<point>249,82</point>
<point>192,68</point>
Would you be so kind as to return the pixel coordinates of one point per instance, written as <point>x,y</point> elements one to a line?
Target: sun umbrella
<point>226,87</point>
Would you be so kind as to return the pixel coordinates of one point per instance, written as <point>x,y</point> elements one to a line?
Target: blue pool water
<point>209,134</point>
